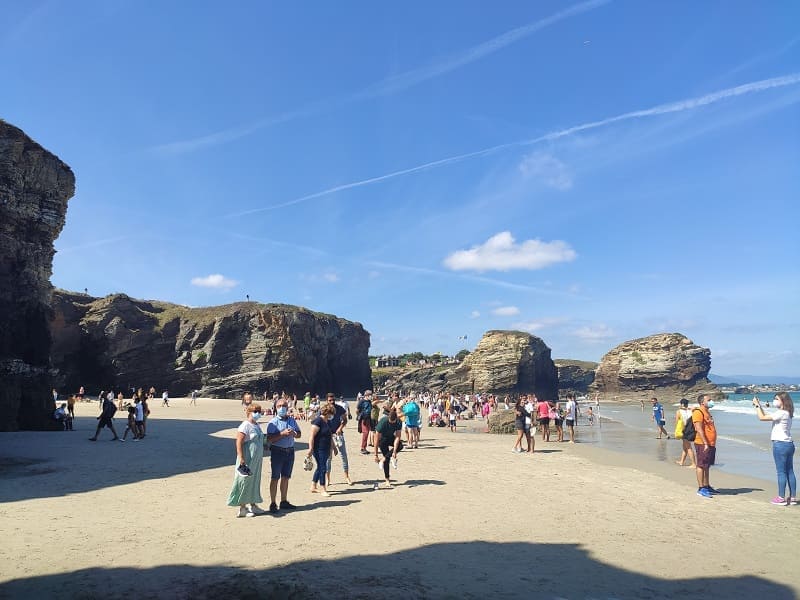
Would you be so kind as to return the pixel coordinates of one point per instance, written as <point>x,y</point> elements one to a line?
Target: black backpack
<point>689,432</point>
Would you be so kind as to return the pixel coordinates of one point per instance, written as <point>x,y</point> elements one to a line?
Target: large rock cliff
<point>34,189</point>
<point>667,365</point>
<point>503,362</point>
<point>575,375</point>
<point>118,342</point>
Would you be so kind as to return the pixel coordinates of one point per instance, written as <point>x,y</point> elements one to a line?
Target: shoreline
<point>453,525</point>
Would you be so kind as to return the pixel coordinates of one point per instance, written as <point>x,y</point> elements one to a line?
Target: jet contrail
<point>661,109</point>
<point>384,87</point>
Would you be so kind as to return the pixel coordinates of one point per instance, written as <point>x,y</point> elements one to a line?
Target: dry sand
<point>467,518</point>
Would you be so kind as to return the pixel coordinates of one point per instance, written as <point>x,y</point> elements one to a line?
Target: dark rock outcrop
<point>34,189</point>
<point>575,375</point>
<point>668,365</point>
<point>119,342</point>
<point>504,362</point>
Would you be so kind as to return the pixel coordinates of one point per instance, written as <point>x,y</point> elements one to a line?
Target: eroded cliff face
<point>119,342</point>
<point>34,189</point>
<point>668,365</point>
<point>503,362</point>
<point>575,375</point>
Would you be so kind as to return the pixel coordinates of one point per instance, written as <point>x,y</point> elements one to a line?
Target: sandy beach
<point>467,518</point>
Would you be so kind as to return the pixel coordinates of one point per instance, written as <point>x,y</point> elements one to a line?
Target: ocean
<point>743,444</point>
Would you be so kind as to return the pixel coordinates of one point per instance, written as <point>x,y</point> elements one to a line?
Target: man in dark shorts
<point>705,449</point>
<point>106,419</point>
<point>282,430</point>
<point>658,418</point>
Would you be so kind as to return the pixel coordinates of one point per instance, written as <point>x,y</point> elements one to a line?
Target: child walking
<point>131,424</point>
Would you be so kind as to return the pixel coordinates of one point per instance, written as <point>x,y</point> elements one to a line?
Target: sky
<point>589,172</point>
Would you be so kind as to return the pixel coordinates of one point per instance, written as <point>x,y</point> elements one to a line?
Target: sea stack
<point>667,365</point>
<point>34,189</point>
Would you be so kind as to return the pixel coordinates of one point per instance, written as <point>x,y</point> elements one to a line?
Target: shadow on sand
<point>451,570</point>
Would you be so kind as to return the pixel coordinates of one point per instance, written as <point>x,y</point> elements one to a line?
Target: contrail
<point>661,109</point>
<point>384,87</point>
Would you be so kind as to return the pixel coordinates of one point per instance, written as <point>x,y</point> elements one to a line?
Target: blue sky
<point>589,172</point>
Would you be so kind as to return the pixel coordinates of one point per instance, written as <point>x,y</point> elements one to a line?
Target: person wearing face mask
<point>246,489</point>
<point>282,430</point>
<point>705,449</point>
<point>782,445</point>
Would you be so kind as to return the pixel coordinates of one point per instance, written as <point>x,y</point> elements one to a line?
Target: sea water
<point>743,444</point>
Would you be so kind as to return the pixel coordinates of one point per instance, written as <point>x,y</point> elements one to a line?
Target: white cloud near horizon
<point>594,333</point>
<point>548,169</point>
<point>505,311</point>
<point>538,324</point>
<point>215,281</point>
<point>661,109</point>
<point>474,314</point>
<point>501,253</point>
<point>386,86</point>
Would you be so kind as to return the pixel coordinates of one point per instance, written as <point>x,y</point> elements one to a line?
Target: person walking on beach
<point>337,422</point>
<point>319,446</point>
<point>683,416</point>
<point>281,433</point>
<point>71,406</point>
<point>558,418</point>
<point>246,489</point>
<point>387,443</point>
<point>106,419</point>
<point>782,445</point>
<point>165,399</point>
<point>705,444</point>
<point>193,401</point>
<point>363,414</point>
<point>658,418</point>
<point>571,416</point>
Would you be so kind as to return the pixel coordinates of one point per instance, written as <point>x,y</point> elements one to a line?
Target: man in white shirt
<point>571,416</point>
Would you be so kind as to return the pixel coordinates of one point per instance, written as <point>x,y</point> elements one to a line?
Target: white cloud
<point>501,253</point>
<point>548,169</point>
<point>216,281</point>
<point>315,278</point>
<point>474,314</point>
<point>594,333</point>
<point>537,324</point>
<point>331,277</point>
<point>505,311</point>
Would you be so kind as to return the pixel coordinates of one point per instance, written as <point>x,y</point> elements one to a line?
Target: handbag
<point>308,463</point>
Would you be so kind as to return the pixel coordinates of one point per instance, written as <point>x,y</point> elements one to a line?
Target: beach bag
<point>308,463</point>
<point>689,432</point>
<point>679,428</point>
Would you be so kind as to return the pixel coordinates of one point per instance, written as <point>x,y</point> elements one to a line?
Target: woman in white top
<point>684,415</point>
<point>782,445</point>
<point>246,488</point>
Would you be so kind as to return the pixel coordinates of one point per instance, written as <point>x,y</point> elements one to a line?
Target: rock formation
<point>668,365</point>
<point>118,342</point>
<point>575,375</point>
<point>34,189</point>
<point>503,362</point>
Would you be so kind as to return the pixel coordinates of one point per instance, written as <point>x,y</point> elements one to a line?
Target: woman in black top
<point>388,432</point>
<point>319,445</point>
<point>519,423</point>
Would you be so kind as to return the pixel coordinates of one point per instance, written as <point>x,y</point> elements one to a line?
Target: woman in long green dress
<point>246,489</point>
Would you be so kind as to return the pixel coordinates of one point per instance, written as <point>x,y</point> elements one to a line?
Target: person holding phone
<point>782,445</point>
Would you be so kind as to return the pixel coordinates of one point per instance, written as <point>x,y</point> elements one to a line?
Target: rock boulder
<point>668,365</point>
<point>575,375</point>
<point>34,189</point>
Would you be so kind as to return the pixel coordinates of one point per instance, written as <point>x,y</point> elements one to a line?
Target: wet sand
<point>467,518</point>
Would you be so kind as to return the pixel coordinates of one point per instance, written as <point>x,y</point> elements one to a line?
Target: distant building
<point>387,361</point>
